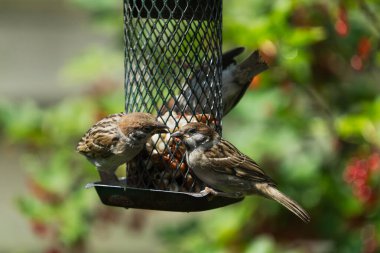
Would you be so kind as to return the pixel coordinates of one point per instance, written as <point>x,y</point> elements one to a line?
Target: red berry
<point>364,48</point>
<point>341,25</point>
<point>357,174</point>
<point>374,162</point>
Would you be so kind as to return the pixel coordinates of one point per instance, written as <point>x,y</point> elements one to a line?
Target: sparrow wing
<point>228,57</point>
<point>103,143</point>
<point>99,139</point>
<point>227,159</point>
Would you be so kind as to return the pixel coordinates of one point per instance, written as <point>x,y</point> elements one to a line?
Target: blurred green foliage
<point>58,205</point>
<point>312,121</point>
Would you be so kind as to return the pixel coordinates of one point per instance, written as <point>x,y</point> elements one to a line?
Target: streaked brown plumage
<point>117,139</point>
<point>222,167</point>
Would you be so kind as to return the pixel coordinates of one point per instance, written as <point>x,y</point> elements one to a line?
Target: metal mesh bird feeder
<point>173,70</point>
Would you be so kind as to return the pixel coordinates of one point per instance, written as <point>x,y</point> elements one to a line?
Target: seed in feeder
<point>161,146</point>
<point>183,167</point>
<point>189,181</point>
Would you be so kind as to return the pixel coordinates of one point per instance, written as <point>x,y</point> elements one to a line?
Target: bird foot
<point>109,178</point>
<point>211,193</point>
<point>208,191</point>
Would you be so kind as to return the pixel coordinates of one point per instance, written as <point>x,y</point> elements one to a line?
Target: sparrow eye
<point>148,129</point>
<point>192,131</point>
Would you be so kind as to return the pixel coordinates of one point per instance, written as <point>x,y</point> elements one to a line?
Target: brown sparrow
<point>222,167</point>
<point>117,139</point>
<point>236,79</point>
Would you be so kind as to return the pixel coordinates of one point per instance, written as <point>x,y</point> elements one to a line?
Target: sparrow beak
<point>177,134</point>
<point>161,128</point>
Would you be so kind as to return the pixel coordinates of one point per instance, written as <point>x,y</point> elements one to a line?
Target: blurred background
<point>312,121</point>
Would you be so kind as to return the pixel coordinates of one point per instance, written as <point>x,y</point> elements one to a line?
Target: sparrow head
<point>196,134</point>
<point>141,126</point>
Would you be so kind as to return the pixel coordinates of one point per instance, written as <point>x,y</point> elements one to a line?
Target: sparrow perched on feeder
<point>236,79</point>
<point>222,167</point>
<point>117,139</point>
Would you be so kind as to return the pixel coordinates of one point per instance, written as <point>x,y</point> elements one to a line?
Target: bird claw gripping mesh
<point>172,55</point>
<point>173,70</point>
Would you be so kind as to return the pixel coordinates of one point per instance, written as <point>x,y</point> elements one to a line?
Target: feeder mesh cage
<point>172,70</point>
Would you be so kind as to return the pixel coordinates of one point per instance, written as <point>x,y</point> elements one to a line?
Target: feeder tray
<point>173,69</point>
<point>130,197</point>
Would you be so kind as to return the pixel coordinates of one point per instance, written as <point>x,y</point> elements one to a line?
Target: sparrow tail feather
<point>273,193</point>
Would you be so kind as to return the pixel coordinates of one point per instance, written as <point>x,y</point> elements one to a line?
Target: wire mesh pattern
<point>173,70</point>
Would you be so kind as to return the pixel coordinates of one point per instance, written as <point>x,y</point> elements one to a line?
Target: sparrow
<point>236,78</point>
<point>116,140</point>
<point>196,96</point>
<point>226,171</point>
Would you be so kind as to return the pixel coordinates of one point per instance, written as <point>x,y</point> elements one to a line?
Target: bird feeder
<point>173,70</point>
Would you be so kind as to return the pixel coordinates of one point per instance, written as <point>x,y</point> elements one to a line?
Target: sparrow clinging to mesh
<point>236,79</point>
<point>117,139</point>
<point>225,170</point>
